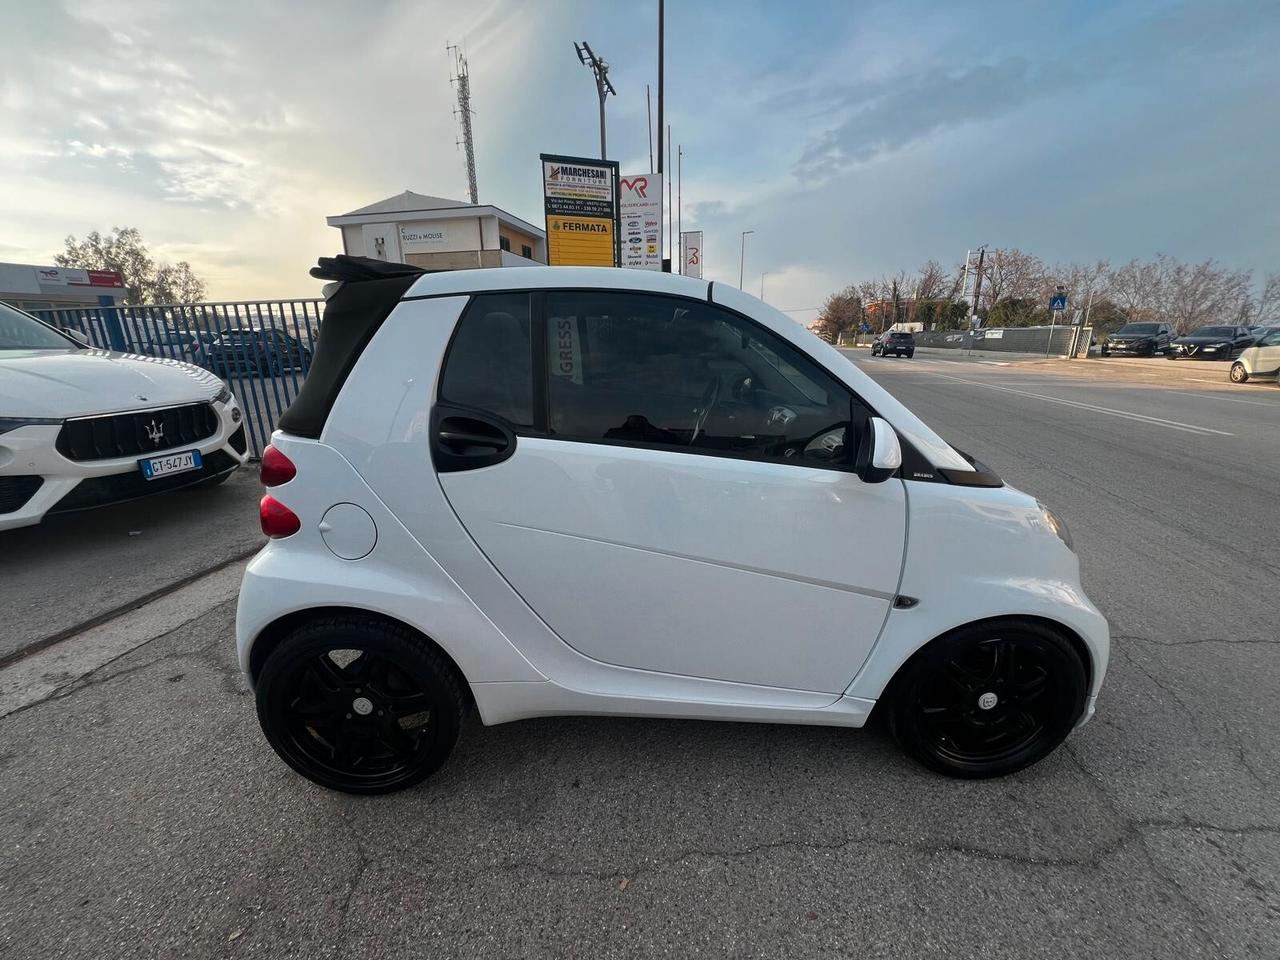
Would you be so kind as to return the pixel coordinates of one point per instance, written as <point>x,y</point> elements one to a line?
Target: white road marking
<point>44,674</point>
<point>1210,396</point>
<point>1123,414</point>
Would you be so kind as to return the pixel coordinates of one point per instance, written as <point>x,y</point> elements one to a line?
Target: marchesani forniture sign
<point>580,201</point>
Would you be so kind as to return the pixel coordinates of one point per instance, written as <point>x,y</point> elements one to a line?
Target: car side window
<point>490,365</point>
<point>1270,340</point>
<point>662,371</point>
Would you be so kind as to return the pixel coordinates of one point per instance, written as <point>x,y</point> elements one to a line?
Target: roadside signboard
<point>640,206</point>
<point>580,203</point>
<point>691,253</point>
<point>1058,302</point>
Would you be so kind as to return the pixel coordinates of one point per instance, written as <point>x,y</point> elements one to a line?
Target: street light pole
<point>742,258</point>
<point>604,86</point>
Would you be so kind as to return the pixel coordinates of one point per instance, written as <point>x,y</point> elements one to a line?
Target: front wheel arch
<point>1076,641</point>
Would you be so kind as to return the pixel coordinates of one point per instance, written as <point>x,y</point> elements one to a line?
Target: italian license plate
<point>172,463</point>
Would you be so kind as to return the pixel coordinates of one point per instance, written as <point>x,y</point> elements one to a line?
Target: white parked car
<point>1260,360</point>
<point>83,428</point>
<point>546,491</point>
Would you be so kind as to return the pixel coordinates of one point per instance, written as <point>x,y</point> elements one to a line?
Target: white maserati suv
<point>83,428</point>
<point>562,490</point>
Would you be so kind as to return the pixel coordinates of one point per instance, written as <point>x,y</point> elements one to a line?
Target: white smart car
<point>566,490</point>
<point>83,428</point>
<point>1260,360</point>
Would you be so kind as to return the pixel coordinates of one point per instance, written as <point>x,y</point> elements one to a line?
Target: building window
<point>505,244</point>
<point>526,251</point>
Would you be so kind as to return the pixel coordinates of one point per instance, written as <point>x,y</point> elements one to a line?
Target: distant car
<point>1212,343</point>
<point>258,351</point>
<point>84,428</point>
<point>898,342</point>
<point>174,344</point>
<point>1139,340</point>
<point>1260,360</point>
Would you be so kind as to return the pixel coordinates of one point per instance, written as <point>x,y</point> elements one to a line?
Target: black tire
<point>1104,351</point>
<point>1238,374</point>
<point>1037,679</point>
<point>910,354</point>
<point>354,724</point>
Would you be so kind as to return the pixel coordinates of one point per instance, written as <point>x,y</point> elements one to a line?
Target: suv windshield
<point>1139,328</point>
<point>21,332</point>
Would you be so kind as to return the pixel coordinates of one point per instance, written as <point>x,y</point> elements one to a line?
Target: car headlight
<point>1058,526</point>
<point>13,423</point>
<point>224,395</point>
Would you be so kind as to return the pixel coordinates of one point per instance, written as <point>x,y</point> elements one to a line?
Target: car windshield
<point>899,335</point>
<point>1139,328</point>
<point>18,331</point>
<point>1213,332</point>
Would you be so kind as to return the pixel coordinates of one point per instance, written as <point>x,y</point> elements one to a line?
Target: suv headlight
<point>13,423</point>
<point>1058,526</point>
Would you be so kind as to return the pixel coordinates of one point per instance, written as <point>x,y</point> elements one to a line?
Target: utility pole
<point>462,78</point>
<point>666,261</point>
<point>680,201</point>
<point>742,258</point>
<point>671,210</point>
<point>762,276</point>
<point>604,86</point>
<point>977,283</point>
<point>648,112</point>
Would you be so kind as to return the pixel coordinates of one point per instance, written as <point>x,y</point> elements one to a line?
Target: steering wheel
<point>709,398</point>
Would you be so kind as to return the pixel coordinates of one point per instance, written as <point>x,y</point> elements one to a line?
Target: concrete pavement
<point>145,815</point>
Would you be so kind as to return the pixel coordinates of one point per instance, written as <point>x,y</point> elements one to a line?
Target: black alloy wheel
<point>359,705</point>
<point>989,699</point>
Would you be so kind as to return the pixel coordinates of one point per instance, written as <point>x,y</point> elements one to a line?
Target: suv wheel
<point>359,705</point>
<point>1238,373</point>
<point>989,699</point>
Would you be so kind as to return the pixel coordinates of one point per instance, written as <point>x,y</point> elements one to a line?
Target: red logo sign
<point>639,184</point>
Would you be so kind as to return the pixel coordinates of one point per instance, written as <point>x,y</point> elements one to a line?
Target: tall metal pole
<point>742,257</point>
<point>762,276</point>
<point>648,112</point>
<point>680,202</point>
<point>671,210</point>
<point>604,86</point>
<point>666,261</point>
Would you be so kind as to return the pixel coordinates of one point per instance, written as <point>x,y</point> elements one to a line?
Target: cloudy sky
<point>854,138</point>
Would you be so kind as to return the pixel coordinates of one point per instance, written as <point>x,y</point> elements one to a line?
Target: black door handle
<point>465,440</point>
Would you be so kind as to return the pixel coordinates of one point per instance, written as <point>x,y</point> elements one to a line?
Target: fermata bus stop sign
<point>580,202</point>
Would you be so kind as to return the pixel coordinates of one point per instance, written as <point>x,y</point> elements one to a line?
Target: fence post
<point>111,322</point>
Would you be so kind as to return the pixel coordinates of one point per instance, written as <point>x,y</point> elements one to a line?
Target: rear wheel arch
<point>273,633</point>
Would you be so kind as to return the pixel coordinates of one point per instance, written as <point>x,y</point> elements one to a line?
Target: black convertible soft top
<point>369,291</point>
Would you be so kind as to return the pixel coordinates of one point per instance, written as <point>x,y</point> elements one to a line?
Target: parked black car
<point>256,351</point>
<point>1139,340</point>
<point>898,342</point>
<point>1212,343</point>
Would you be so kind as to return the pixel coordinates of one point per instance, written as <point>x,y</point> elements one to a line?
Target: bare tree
<point>932,282</point>
<point>1011,274</point>
<point>1136,288</point>
<point>1193,295</point>
<point>1081,281</point>
<point>840,314</point>
<point>1266,308</point>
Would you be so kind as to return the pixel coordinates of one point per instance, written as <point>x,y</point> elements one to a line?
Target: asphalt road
<point>144,815</point>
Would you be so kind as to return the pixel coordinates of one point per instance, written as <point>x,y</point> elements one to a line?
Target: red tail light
<point>276,468</point>
<point>277,519</point>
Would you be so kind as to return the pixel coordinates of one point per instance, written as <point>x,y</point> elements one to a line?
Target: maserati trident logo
<point>155,431</point>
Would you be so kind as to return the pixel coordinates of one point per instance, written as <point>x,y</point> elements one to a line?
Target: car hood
<point>1201,341</point>
<point>1130,337</point>
<point>73,383</point>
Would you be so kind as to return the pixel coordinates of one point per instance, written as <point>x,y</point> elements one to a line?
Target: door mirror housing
<point>77,336</point>
<point>879,453</point>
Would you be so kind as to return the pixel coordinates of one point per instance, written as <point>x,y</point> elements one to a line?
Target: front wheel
<point>989,699</point>
<point>1238,373</point>
<point>359,705</point>
<point>910,354</point>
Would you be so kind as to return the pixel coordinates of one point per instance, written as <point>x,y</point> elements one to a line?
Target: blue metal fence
<point>262,348</point>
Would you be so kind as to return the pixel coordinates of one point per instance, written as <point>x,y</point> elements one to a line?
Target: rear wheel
<point>1238,373</point>
<point>988,700</point>
<point>359,705</point>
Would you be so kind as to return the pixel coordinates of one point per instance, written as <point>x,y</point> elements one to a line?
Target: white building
<point>34,287</point>
<point>439,234</point>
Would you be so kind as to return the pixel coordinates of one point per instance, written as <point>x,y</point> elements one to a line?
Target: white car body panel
<point>57,385</point>
<point>1261,360</point>
<point>760,545</point>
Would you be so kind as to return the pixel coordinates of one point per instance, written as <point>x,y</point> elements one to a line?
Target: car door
<point>664,482</point>
<point>1267,358</point>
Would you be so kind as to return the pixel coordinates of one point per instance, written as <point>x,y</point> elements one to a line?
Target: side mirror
<point>879,454</point>
<point>77,336</point>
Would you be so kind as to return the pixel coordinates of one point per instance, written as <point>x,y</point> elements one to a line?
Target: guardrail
<point>262,348</point>
<point>1053,341</point>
